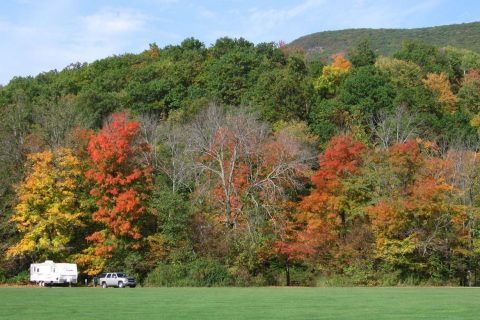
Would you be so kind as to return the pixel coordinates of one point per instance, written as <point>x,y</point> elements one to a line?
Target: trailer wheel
<point>120,284</point>
<point>104,285</point>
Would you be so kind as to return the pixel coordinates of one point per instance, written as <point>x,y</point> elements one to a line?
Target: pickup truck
<point>116,279</point>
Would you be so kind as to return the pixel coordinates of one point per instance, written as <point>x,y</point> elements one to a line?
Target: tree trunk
<point>287,272</point>
<point>343,232</point>
<point>228,215</point>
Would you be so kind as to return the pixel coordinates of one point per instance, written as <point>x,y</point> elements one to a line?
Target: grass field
<point>239,303</point>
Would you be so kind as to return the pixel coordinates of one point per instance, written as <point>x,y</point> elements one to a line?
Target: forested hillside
<point>389,41</point>
<point>243,164</point>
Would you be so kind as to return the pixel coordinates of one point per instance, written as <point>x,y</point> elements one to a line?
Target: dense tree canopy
<point>195,165</point>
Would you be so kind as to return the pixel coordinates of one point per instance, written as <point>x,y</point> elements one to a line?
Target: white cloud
<point>112,21</point>
<point>268,19</point>
<point>45,42</point>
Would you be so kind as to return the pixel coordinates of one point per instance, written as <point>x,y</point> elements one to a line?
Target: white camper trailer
<point>49,272</point>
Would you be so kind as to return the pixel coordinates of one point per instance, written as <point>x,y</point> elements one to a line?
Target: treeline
<point>244,164</point>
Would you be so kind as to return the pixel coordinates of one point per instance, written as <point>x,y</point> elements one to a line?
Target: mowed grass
<point>239,303</point>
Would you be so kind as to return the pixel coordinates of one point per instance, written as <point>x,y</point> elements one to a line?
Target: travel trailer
<point>49,273</point>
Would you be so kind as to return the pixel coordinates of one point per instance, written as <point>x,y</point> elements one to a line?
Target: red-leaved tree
<point>121,185</point>
<point>321,217</point>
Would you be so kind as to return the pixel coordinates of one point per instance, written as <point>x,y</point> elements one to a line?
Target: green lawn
<point>239,303</point>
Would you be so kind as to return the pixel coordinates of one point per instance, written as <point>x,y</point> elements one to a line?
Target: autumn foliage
<point>321,216</point>
<point>440,86</point>
<point>419,219</point>
<point>120,183</point>
<point>247,164</point>
<point>50,210</point>
<point>396,206</point>
<point>333,75</point>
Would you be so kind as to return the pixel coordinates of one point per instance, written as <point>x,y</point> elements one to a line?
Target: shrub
<point>202,272</point>
<point>21,278</point>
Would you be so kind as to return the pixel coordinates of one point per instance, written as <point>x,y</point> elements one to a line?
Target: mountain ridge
<point>386,41</point>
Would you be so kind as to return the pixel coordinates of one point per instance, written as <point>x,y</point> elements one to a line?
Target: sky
<point>41,35</point>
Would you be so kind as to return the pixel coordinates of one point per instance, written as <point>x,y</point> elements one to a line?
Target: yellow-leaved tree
<point>49,210</point>
<point>440,86</point>
<point>332,75</point>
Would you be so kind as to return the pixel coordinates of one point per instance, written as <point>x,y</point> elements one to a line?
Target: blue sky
<point>40,35</point>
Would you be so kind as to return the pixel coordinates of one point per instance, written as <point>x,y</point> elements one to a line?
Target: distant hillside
<point>388,41</point>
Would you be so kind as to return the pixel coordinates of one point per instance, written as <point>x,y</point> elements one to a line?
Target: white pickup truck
<point>116,279</point>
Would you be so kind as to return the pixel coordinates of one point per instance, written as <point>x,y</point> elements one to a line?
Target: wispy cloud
<point>378,14</point>
<point>114,21</point>
<point>309,16</point>
<point>259,23</point>
<point>107,31</point>
<point>46,41</point>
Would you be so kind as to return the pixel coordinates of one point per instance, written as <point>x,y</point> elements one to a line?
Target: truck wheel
<point>104,285</point>
<point>120,284</point>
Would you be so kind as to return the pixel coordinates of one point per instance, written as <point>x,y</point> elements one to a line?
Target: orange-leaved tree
<point>322,217</point>
<point>121,185</point>
<point>416,222</point>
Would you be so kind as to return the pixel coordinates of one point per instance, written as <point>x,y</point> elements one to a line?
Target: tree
<point>429,57</point>
<point>362,54</point>
<point>56,119</point>
<point>121,188</point>
<point>218,141</point>
<point>365,93</point>
<point>440,86</point>
<point>469,93</point>
<point>14,136</point>
<point>50,208</point>
<point>340,160</point>
<point>325,216</point>
<point>282,94</point>
<point>394,127</point>
<point>465,179</point>
<point>416,220</point>
<point>402,74</point>
<point>242,159</point>
<point>468,59</point>
<point>293,243</point>
<point>332,75</point>
<point>168,150</point>
<point>227,76</point>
